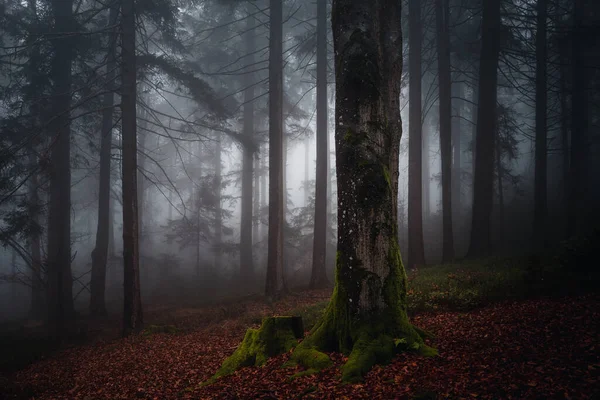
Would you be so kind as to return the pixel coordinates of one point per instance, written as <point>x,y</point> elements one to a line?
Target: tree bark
<point>416,248</point>
<point>483,182</point>
<point>540,208</point>
<point>274,281</point>
<point>457,94</point>
<point>318,277</point>
<point>132,315</point>
<point>564,131</point>
<point>442,14</point>
<point>246,260</point>
<point>100,252</point>
<point>60,283</point>
<point>368,307</point>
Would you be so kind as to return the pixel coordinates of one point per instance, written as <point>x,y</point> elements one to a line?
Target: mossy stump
<point>275,336</point>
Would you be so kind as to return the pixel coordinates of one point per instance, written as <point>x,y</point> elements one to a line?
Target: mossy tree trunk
<point>366,316</point>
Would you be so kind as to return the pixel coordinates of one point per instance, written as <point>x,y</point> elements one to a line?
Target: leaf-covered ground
<point>534,349</point>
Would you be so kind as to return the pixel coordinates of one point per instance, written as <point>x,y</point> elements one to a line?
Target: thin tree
<point>100,252</point>
<point>367,310</point>
<point>319,276</point>
<point>442,14</point>
<point>416,249</point>
<point>274,282</point>
<point>132,315</point>
<point>483,181</point>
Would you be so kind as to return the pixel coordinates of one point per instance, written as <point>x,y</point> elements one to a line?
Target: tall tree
<point>368,306</point>
<point>416,249</point>
<point>132,301</point>
<point>319,275</point>
<point>60,284</point>
<point>218,181</point>
<point>540,209</point>
<point>483,181</point>
<point>246,261</point>
<point>274,283</point>
<point>100,252</point>
<point>442,14</point>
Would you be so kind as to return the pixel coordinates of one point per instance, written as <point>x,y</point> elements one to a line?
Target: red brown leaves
<point>514,350</point>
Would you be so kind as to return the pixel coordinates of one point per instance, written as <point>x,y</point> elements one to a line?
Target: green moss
<point>276,335</point>
<point>154,329</point>
<point>366,353</point>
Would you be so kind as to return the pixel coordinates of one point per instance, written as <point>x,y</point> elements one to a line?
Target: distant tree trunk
<point>500,174</point>
<point>141,190</point>
<point>368,306</point>
<point>540,209</point>
<point>60,283</point>
<point>100,252</point>
<point>579,123</point>
<point>263,185</point>
<point>132,315</point>
<point>318,277</point>
<point>426,183</point>
<point>457,89</point>
<point>246,258</point>
<point>274,282</point>
<point>218,210</point>
<point>256,200</point>
<point>483,182</point>
<point>416,249</point>
<point>442,14</point>
<point>37,287</point>
<point>306,170</point>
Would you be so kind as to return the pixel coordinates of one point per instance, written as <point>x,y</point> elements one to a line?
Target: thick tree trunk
<point>319,273</point>
<point>132,315</point>
<point>60,284</point>
<point>442,14</point>
<point>540,208</point>
<point>100,252</point>
<point>367,310</point>
<point>246,260</point>
<point>579,124</point>
<point>274,282</point>
<point>483,182</point>
<point>416,249</point>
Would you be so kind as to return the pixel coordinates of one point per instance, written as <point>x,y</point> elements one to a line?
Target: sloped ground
<point>533,349</point>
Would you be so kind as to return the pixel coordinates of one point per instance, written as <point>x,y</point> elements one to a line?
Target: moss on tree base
<point>276,335</point>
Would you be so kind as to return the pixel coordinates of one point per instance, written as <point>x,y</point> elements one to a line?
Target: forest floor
<point>537,348</point>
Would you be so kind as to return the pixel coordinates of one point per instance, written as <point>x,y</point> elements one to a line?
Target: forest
<point>293,199</point>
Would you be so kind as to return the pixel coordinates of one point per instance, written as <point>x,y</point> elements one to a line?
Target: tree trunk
<point>256,201</point>
<point>246,259</point>
<point>100,252</point>
<point>218,210</point>
<point>540,208</point>
<point>60,283</point>
<point>416,248</point>
<point>274,281</point>
<point>426,183</point>
<point>457,94</point>
<point>442,14</point>
<point>483,182</point>
<point>263,187</point>
<point>141,189</point>
<point>319,272</point>
<point>564,130</point>
<point>579,123</point>
<point>306,170</point>
<point>499,172</point>
<point>132,315</point>
<point>367,310</point>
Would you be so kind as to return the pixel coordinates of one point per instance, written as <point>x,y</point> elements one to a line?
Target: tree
<point>59,293</point>
<point>274,284</point>
<point>442,13</point>
<point>319,276</point>
<point>100,252</point>
<point>483,182</point>
<point>416,249</point>
<point>540,209</point>
<point>132,315</point>
<point>366,316</point>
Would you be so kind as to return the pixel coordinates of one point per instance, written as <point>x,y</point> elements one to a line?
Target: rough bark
<point>60,284</point>
<point>132,310</point>
<point>100,252</point>
<point>366,316</point>
<point>274,281</point>
<point>442,13</point>
<point>483,182</point>
<point>319,273</point>
<point>246,260</point>
<point>540,208</point>
<point>416,248</point>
